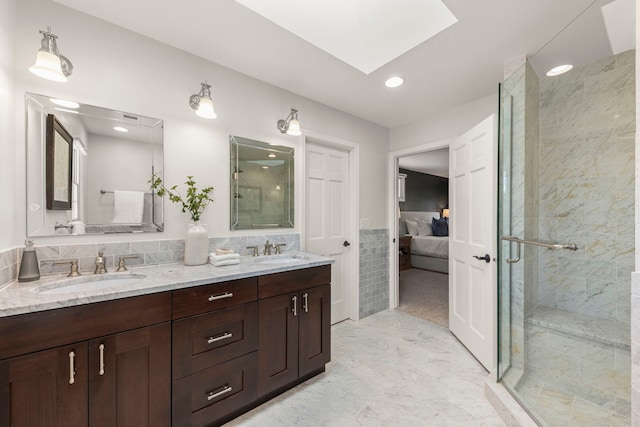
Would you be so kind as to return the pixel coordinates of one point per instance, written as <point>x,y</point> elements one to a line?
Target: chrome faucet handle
<point>121,262</point>
<point>74,267</point>
<point>255,250</point>
<point>267,248</point>
<point>278,246</point>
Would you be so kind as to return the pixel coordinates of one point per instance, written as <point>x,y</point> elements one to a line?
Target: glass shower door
<point>566,223</point>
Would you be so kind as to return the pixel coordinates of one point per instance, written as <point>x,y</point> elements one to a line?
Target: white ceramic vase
<point>196,245</point>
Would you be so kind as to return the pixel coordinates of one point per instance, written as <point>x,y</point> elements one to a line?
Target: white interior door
<point>326,211</point>
<point>472,231</point>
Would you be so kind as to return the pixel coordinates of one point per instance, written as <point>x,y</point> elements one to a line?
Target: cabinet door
<point>315,324</point>
<point>277,341</point>
<point>130,378</point>
<point>45,389</point>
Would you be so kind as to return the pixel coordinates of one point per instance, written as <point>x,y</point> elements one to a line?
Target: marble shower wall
<point>522,84</point>
<point>587,173</point>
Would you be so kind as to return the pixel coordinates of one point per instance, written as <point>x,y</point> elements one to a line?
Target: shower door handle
<point>486,258</point>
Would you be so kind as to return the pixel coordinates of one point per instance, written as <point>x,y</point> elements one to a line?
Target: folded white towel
<point>128,207</point>
<point>214,258</point>
<point>225,262</point>
<point>224,251</point>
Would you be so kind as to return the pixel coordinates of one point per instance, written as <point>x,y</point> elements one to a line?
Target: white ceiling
<point>434,162</point>
<point>459,64</point>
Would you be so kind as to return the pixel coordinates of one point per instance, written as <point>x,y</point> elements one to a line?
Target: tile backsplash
<point>148,252</point>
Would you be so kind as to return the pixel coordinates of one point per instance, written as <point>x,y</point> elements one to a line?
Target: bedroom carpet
<point>425,294</point>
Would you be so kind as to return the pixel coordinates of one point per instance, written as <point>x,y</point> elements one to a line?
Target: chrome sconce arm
<point>290,125</point>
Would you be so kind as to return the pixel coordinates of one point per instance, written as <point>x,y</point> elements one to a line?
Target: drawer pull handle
<point>294,303</point>
<point>212,395</point>
<point>305,302</point>
<point>101,370</point>
<point>224,336</point>
<point>72,369</point>
<point>221,296</point>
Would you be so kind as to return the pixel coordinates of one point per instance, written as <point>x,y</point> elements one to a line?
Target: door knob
<point>346,243</point>
<point>486,258</point>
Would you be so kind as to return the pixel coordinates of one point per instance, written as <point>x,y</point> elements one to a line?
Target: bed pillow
<point>425,228</point>
<point>440,227</point>
<point>412,227</point>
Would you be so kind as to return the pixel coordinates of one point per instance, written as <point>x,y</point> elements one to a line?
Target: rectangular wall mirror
<point>261,185</point>
<point>88,169</point>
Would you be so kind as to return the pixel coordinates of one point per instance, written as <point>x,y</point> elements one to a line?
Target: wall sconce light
<point>202,102</point>
<point>50,64</point>
<point>445,213</point>
<point>290,125</point>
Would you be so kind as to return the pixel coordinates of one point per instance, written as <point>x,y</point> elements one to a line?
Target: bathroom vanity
<point>186,346</point>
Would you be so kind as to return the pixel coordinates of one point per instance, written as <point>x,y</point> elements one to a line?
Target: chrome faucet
<point>278,246</point>
<point>267,248</point>
<point>100,267</point>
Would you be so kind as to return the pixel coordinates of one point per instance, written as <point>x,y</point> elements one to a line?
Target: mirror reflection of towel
<point>128,207</point>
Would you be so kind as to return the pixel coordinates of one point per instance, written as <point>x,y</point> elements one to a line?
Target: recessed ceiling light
<point>265,167</point>
<point>271,155</point>
<point>560,69</point>
<point>120,129</point>
<point>67,111</point>
<point>65,103</point>
<point>394,81</point>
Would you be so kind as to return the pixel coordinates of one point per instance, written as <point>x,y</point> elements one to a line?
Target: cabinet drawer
<point>200,299</point>
<point>212,338</point>
<point>26,333</point>
<point>293,281</point>
<point>207,396</point>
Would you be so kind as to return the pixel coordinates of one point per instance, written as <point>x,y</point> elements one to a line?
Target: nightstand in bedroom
<point>404,257</point>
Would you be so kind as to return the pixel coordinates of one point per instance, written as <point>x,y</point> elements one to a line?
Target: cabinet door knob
<point>294,305</point>
<point>101,370</point>
<point>72,369</point>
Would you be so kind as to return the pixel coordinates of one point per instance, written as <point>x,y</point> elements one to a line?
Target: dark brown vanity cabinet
<point>102,364</point>
<point>191,357</point>
<point>214,351</point>
<point>294,317</point>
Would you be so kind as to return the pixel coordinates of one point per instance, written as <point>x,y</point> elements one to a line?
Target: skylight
<point>365,34</point>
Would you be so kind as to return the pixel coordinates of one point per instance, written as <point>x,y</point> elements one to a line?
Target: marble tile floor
<point>389,369</point>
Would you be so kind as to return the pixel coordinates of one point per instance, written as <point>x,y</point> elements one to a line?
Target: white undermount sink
<point>281,259</point>
<point>89,283</point>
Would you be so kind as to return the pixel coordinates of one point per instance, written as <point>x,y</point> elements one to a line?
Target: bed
<point>427,252</point>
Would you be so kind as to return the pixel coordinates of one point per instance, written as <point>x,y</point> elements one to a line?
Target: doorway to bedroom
<point>423,210</point>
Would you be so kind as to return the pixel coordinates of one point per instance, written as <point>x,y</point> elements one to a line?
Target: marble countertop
<point>20,298</point>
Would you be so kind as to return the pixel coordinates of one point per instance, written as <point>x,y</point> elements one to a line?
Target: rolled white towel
<point>226,262</point>
<point>214,258</point>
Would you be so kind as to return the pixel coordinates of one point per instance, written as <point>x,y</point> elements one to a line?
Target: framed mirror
<point>59,154</point>
<point>88,169</point>
<point>262,184</point>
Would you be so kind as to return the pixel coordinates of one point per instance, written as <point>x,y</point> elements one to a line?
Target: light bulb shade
<point>48,66</point>
<point>205,109</point>
<point>294,128</point>
<point>445,213</point>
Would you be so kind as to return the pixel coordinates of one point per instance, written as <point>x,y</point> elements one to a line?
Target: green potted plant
<point>196,245</point>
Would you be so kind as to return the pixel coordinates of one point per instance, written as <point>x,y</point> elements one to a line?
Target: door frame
<point>392,213</point>
<point>352,258</point>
